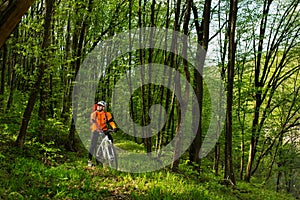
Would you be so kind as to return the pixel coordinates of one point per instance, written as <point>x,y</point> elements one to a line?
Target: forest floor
<point>43,171</point>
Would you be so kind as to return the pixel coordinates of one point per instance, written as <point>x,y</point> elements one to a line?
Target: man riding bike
<point>99,120</point>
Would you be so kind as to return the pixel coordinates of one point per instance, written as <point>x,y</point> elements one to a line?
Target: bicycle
<point>106,152</point>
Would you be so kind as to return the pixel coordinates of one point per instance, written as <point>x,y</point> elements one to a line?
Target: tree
<point>11,13</point>
<point>3,69</point>
<point>276,40</point>
<point>203,39</point>
<point>229,174</point>
<point>41,69</point>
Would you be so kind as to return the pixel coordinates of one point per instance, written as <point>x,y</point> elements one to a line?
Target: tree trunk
<point>229,174</point>
<point>152,24</point>
<point>242,156</point>
<point>141,60</point>
<point>258,94</point>
<point>202,39</point>
<point>11,86</point>
<point>181,109</point>
<point>130,63</point>
<point>78,44</point>
<point>223,53</point>
<point>11,16</point>
<point>41,69</point>
<point>217,158</point>
<point>2,83</point>
<point>12,75</point>
<point>175,162</point>
<point>160,135</point>
<point>65,108</point>
<point>272,162</point>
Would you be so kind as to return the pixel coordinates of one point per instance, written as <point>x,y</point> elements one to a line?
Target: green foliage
<point>254,191</point>
<point>50,153</point>
<point>23,175</point>
<point>131,146</point>
<point>44,170</point>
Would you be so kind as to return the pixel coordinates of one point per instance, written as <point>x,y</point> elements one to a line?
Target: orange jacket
<point>99,121</point>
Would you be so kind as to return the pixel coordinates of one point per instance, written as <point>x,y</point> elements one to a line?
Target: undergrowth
<point>46,170</point>
<point>42,171</point>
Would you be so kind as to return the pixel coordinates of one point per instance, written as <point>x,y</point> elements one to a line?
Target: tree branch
<point>11,15</point>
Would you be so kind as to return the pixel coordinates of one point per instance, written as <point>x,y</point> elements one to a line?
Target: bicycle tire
<point>99,154</point>
<point>113,161</point>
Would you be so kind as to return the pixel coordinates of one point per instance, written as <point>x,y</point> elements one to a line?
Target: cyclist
<point>99,120</point>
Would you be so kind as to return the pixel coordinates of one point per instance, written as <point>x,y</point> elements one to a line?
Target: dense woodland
<point>254,45</point>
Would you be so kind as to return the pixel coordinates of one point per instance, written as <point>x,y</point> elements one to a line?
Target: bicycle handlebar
<point>106,132</point>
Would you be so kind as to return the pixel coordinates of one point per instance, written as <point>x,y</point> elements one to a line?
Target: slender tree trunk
<point>242,156</point>
<point>196,144</point>
<point>78,48</point>
<point>3,70</point>
<point>217,156</point>
<point>202,39</point>
<point>175,162</point>
<point>279,175</point>
<point>229,174</point>
<point>181,109</point>
<point>129,63</point>
<point>178,142</point>
<point>11,86</point>
<point>278,186</point>
<point>51,106</point>
<point>152,24</point>
<point>141,59</point>
<point>217,153</point>
<point>65,101</point>
<point>12,75</point>
<point>241,120</point>
<point>160,135</point>
<point>223,53</point>
<point>41,69</point>
<point>272,162</point>
<point>258,94</point>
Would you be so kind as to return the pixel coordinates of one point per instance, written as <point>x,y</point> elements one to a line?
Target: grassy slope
<point>43,172</point>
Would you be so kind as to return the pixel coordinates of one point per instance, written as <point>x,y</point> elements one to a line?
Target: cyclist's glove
<point>114,130</point>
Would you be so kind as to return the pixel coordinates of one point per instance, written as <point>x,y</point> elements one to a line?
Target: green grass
<point>40,172</point>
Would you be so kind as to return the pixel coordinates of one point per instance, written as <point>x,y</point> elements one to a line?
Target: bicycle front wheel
<point>99,155</point>
<point>112,157</point>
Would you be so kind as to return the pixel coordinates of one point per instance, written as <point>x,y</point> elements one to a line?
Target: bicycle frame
<point>104,145</point>
<point>106,152</point>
